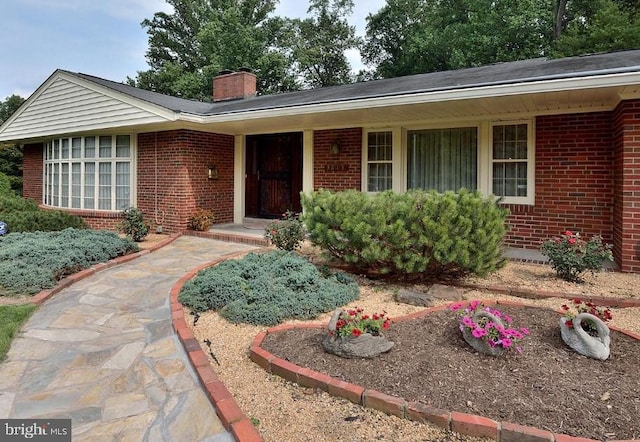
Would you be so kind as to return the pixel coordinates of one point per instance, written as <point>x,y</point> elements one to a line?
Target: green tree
<point>416,36</point>
<point>320,42</point>
<point>188,47</point>
<point>597,26</point>
<point>11,156</point>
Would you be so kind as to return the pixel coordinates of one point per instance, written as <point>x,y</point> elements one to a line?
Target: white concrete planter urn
<point>596,347</point>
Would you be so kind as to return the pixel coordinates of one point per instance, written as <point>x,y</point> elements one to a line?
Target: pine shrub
<point>266,289</point>
<point>412,235</point>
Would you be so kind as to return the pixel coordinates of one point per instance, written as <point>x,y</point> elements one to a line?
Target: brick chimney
<point>229,85</point>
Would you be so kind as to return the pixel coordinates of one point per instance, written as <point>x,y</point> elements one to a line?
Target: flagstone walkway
<point>103,353</point>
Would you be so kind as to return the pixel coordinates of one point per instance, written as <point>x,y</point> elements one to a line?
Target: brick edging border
<point>468,424</point>
<point>232,417</point>
<point>43,295</point>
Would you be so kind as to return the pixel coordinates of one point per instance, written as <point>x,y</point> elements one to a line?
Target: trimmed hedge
<point>266,289</point>
<point>413,235</point>
<point>33,261</point>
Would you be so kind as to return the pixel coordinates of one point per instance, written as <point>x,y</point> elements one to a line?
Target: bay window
<point>92,172</point>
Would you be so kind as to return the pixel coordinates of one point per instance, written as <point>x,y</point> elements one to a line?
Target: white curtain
<point>443,159</point>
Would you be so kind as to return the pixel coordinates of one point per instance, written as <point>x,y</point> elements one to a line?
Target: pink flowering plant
<point>570,255</point>
<point>481,327</point>
<point>355,322</point>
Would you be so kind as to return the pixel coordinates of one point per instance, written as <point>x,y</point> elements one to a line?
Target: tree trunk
<point>559,13</point>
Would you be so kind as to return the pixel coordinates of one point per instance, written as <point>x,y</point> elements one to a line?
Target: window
<point>511,162</point>
<point>442,159</point>
<point>379,161</point>
<point>88,172</point>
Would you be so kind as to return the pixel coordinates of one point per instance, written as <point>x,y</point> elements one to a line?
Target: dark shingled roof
<point>539,69</point>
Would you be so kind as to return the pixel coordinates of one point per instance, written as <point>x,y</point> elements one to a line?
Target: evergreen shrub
<point>24,215</point>
<point>266,289</point>
<point>133,224</point>
<point>413,235</point>
<point>33,261</point>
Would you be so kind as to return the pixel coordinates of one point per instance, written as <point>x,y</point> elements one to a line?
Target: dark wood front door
<point>273,174</point>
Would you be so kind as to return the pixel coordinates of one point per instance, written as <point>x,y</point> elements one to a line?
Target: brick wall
<point>340,171</point>
<point>32,170</point>
<point>574,181</point>
<point>180,186</point>
<point>626,136</point>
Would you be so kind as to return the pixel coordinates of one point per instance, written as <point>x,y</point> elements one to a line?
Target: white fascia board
<point>535,87</point>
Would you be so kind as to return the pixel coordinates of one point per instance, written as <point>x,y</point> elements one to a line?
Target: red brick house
<point>559,140</point>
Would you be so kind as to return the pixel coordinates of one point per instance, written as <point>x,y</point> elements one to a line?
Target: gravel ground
<point>284,411</point>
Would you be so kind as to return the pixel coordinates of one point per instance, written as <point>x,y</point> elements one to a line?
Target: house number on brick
<point>336,167</point>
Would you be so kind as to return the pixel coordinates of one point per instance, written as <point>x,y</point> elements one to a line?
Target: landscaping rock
<point>363,346</point>
<point>411,297</point>
<point>447,292</point>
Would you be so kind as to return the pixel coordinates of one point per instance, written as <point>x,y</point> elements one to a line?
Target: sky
<point>97,37</point>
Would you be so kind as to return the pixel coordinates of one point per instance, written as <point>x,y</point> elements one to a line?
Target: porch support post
<point>307,161</point>
<point>238,179</point>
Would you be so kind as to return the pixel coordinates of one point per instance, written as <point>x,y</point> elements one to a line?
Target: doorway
<point>273,174</point>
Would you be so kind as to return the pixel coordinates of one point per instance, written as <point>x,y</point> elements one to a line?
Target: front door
<point>273,175</point>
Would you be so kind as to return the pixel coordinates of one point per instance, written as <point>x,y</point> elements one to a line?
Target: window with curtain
<point>442,159</point>
<point>510,150</point>
<point>88,172</point>
<point>379,161</point>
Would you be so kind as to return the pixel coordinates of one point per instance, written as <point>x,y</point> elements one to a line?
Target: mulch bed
<point>548,386</point>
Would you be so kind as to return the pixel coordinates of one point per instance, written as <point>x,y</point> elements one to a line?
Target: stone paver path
<point>103,353</point>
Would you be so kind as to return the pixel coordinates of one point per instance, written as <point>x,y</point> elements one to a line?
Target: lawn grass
<point>11,319</point>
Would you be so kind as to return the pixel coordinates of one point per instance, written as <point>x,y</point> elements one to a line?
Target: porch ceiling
<point>502,107</point>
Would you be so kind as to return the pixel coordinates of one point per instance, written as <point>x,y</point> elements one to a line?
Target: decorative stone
<point>448,292</point>
<point>481,345</point>
<point>410,297</point>
<point>363,346</point>
<point>596,347</point>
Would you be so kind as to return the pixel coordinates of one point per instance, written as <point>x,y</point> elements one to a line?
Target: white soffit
<point>67,104</point>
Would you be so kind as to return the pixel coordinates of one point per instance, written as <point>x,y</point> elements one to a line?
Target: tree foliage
<point>416,36</point>
<point>320,42</point>
<point>11,156</point>
<point>188,47</point>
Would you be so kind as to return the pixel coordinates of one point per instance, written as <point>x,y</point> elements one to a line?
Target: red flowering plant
<point>570,255</point>
<point>483,328</point>
<point>577,306</point>
<point>355,322</point>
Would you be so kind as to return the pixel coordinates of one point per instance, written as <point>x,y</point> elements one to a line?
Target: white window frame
<point>49,164</point>
<point>529,199</point>
<point>485,154</point>
<point>480,185</point>
<point>397,141</point>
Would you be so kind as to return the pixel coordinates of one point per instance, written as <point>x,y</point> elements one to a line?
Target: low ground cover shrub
<point>412,235</point>
<point>33,261</point>
<point>265,289</point>
<point>24,215</point>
